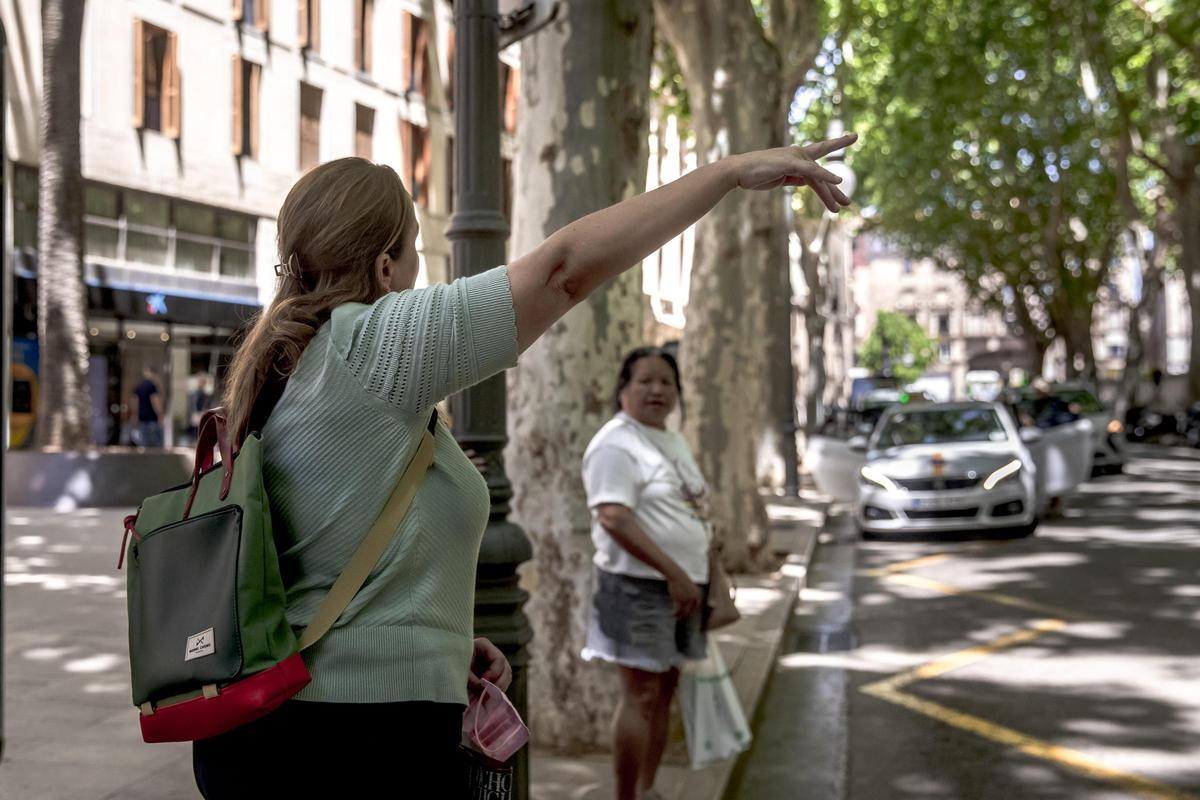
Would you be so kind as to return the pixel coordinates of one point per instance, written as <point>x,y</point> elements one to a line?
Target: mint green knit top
<point>348,423</point>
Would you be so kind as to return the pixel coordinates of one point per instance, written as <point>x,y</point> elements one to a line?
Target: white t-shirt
<point>652,472</point>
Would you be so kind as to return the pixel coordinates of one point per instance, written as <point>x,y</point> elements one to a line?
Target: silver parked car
<point>947,467</point>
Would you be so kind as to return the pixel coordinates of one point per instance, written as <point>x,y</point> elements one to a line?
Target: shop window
<point>418,157</point>
<point>246,79</point>
<point>253,13</point>
<point>310,25</point>
<point>364,131</point>
<point>25,208</point>
<point>364,21</point>
<point>414,55</point>
<point>310,126</point>
<point>510,94</point>
<point>156,95</point>
<point>195,229</point>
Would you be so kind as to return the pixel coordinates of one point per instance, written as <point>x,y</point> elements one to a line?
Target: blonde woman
<point>341,373</point>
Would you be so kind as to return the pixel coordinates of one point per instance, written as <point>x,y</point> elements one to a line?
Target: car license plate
<point>934,503</point>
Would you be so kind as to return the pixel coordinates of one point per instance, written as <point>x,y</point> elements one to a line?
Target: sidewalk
<point>70,733</point>
<point>749,648</point>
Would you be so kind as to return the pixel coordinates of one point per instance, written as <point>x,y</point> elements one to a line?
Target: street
<point>1063,666</point>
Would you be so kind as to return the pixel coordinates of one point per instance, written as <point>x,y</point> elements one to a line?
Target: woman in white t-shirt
<point>648,524</point>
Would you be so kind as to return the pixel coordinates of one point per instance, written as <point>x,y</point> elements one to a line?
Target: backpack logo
<point>200,645</point>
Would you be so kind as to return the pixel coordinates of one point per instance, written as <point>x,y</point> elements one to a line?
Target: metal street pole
<point>478,232</point>
<point>6,345</point>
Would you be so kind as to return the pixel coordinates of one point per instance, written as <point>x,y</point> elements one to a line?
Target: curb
<point>716,781</point>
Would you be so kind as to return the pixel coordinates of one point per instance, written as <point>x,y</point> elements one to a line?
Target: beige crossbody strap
<point>367,555</point>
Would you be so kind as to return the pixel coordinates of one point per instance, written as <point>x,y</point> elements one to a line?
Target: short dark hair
<point>636,355</point>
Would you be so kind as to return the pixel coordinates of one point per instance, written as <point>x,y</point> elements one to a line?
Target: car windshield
<point>937,426</point>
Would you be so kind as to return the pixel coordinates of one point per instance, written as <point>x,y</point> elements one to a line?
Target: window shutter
<point>512,96</point>
<point>262,15</point>
<point>358,39</point>
<point>255,80</point>
<point>238,11</point>
<point>237,145</point>
<point>406,48</point>
<point>367,35</point>
<point>139,73</point>
<point>302,38</point>
<point>421,61</point>
<point>406,157</point>
<point>314,25</point>
<point>172,97</point>
<point>451,42</point>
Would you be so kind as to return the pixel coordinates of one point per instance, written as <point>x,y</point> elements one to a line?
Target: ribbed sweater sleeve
<point>414,348</point>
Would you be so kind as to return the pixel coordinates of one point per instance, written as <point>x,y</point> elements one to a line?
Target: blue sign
<point>156,304</point>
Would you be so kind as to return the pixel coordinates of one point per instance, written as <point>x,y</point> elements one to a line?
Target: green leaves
<point>909,350</point>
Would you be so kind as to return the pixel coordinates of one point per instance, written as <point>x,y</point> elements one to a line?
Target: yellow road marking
<point>961,658</point>
<point>1003,599</point>
<point>889,689</point>
<point>1036,748</point>
<point>904,566</point>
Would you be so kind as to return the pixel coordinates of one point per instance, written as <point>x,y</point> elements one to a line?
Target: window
<point>255,13</point>
<point>417,158</point>
<point>510,93</point>
<point>310,127</point>
<point>908,266</point>
<point>156,97</point>
<point>364,15</point>
<point>124,226</point>
<point>414,56</point>
<point>364,130</point>
<point>943,324</point>
<point>944,352</point>
<point>309,25</point>
<point>246,79</point>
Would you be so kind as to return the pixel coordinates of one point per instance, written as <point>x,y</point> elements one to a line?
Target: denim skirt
<point>632,623</point>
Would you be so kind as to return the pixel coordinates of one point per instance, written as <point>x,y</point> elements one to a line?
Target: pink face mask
<point>492,726</point>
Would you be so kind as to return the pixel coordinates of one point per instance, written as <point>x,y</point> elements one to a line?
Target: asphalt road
<point>1062,666</point>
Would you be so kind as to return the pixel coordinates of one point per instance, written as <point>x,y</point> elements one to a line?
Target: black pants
<point>337,750</point>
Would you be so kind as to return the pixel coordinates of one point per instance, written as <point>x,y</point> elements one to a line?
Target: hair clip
<point>289,269</point>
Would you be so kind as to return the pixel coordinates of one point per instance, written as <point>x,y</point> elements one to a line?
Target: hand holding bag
<point>720,610</point>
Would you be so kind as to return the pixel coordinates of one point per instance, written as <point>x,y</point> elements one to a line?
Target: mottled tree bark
<point>64,408</point>
<point>736,347</point>
<point>582,146</point>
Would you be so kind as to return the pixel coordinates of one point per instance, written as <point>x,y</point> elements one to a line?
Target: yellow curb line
<point>994,597</point>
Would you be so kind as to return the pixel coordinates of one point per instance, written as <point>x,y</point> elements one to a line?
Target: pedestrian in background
<point>148,402</point>
<point>650,528</point>
<point>199,400</point>
<point>352,360</point>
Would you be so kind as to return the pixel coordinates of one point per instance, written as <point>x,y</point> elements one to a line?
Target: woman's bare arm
<point>582,256</point>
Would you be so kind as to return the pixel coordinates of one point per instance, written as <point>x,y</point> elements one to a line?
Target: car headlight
<point>1115,426</point>
<point>876,477</point>
<point>1007,471</point>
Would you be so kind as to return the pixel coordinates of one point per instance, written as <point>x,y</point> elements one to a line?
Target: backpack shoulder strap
<point>368,553</point>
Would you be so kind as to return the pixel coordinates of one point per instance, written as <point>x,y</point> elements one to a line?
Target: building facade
<point>197,116</point>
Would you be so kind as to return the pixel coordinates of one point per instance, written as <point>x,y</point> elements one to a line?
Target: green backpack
<point>210,647</point>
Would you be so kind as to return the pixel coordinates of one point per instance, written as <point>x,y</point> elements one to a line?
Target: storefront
<point>182,344</point>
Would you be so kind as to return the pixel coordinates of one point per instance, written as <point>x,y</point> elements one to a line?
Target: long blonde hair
<point>334,224</point>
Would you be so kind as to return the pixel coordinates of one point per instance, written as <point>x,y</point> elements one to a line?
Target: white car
<point>947,467</point>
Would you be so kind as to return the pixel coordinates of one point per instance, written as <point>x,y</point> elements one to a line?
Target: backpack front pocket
<point>183,606</point>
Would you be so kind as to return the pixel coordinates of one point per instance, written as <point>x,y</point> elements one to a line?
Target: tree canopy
<point>909,350</point>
